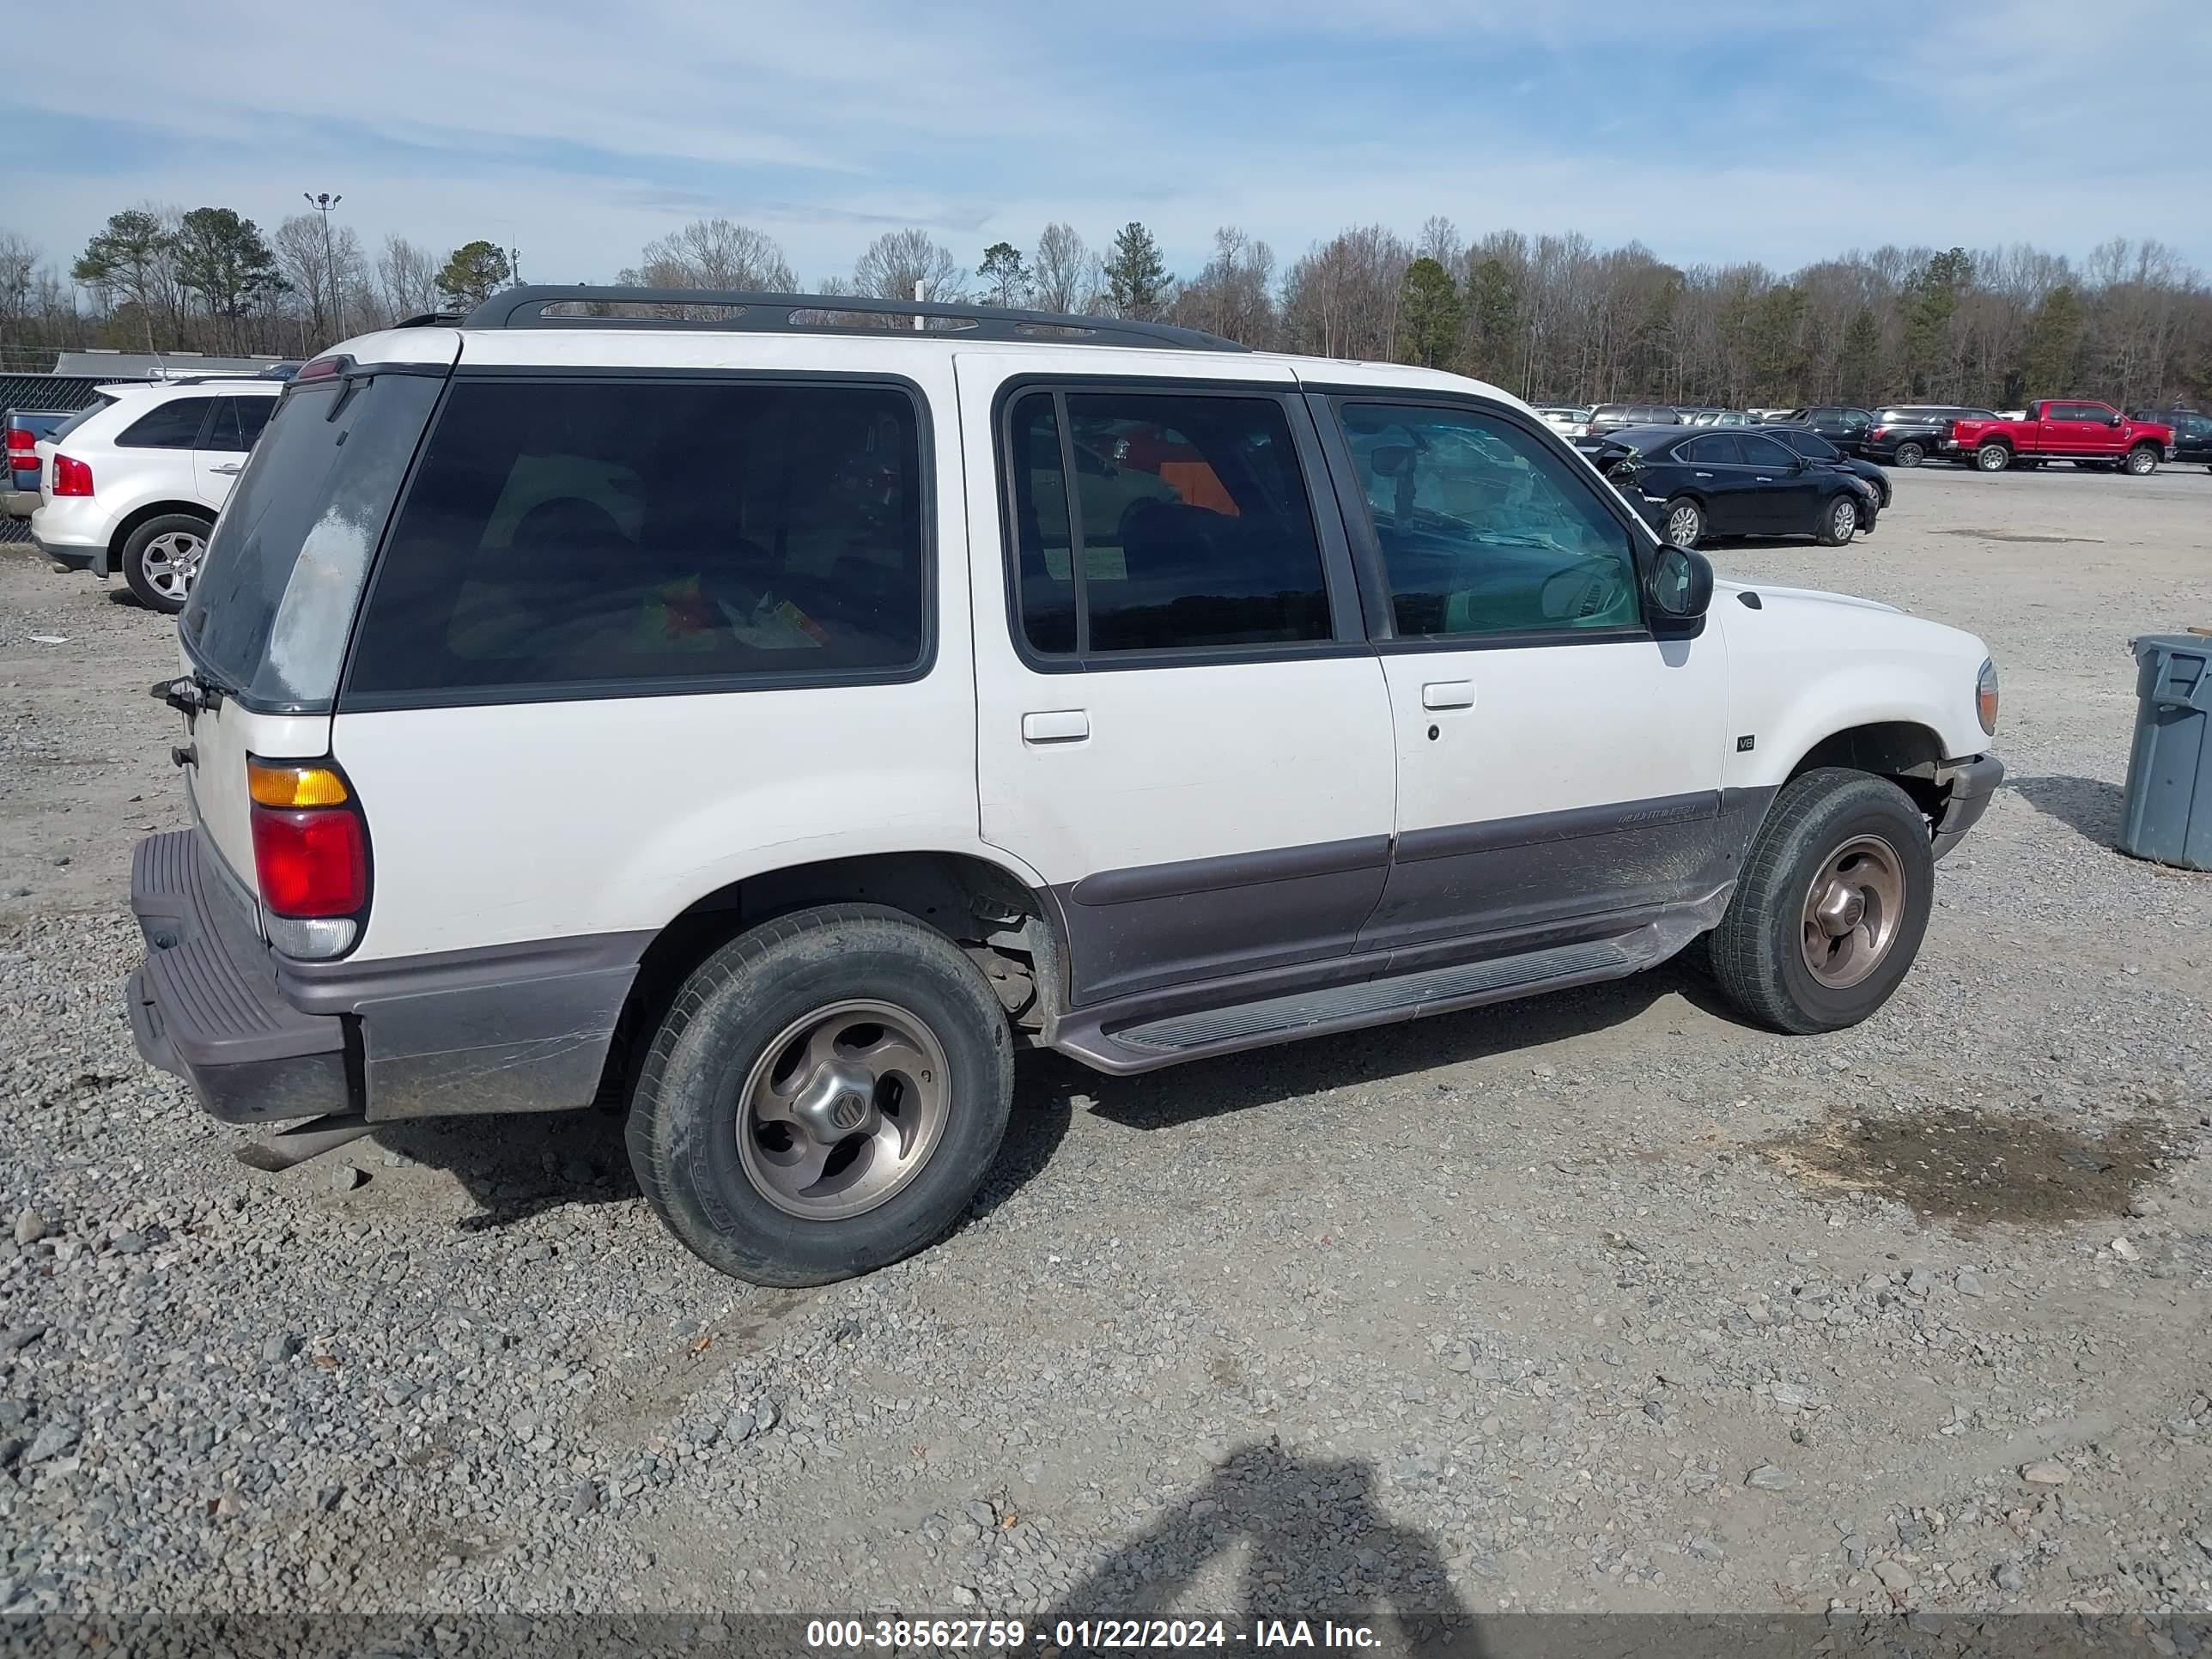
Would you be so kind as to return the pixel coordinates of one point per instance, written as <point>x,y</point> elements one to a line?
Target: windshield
<point>270,614</point>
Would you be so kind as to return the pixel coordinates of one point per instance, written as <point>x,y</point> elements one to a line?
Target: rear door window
<point>1760,449</point>
<point>593,537</point>
<point>1191,529</point>
<point>1714,449</point>
<point>174,424</point>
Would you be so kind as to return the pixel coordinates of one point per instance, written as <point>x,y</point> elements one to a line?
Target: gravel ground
<point>1602,1301</point>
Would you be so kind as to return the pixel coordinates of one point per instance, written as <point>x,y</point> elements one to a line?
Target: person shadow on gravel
<point>1318,1549</point>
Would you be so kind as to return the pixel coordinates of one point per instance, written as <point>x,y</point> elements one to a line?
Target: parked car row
<point>2086,434</point>
<point>1695,483</point>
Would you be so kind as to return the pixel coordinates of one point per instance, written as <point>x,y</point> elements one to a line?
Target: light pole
<point>325,203</point>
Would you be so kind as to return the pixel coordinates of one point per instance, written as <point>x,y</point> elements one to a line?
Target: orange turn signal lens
<point>294,785</point>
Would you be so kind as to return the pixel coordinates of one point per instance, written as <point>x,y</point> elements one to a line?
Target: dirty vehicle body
<point>763,726</point>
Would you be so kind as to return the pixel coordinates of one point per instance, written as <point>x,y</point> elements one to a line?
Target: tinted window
<point>237,422</point>
<point>174,424</point>
<point>1714,449</point>
<point>1487,529</point>
<point>1855,420</point>
<point>1191,527</point>
<point>269,612</point>
<point>1810,444</point>
<point>1761,450</point>
<point>564,535</point>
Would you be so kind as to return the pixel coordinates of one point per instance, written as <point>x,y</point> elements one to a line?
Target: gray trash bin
<point>2168,813</point>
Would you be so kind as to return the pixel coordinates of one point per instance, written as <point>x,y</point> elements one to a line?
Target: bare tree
<point>898,260</point>
<point>406,280</point>
<point>19,265</point>
<point>1230,296</point>
<point>718,253</point>
<point>1064,275</point>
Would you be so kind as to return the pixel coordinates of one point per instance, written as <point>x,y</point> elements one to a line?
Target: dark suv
<point>1840,424</point>
<point>1614,417</point>
<point>2192,432</point>
<point>1905,434</point>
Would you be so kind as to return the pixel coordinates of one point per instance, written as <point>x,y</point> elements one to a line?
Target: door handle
<point>1448,694</point>
<point>1056,725</point>
<point>1701,475</point>
<point>229,468</point>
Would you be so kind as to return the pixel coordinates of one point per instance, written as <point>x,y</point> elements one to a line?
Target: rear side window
<point>174,424</point>
<point>1718,448</point>
<point>269,613</point>
<point>101,407</point>
<point>237,422</point>
<point>1760,449</point>
<point>1150,521</point>
<point>578,537</point>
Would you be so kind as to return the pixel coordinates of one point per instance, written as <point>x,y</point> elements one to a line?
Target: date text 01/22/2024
<point>1081,1635</point>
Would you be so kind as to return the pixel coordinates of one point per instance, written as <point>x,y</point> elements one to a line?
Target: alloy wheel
<point>842,1109</point>
<point>172,564</point>
<point>1852,912</point>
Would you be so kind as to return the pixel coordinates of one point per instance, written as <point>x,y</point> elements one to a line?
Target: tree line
<point>1554,317</point>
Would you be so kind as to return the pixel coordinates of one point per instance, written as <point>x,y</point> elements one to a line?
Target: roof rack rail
<point>787,314</point>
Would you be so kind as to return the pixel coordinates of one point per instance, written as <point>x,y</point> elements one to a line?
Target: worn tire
<point>1757,951</point>
<point>1911,454</point>
<point>684,1117</point>
<point>1839,520</point>
<point>1685,510</point>
<point>148,586</point>
<point>1993,458</point>
<point>2142,461</point>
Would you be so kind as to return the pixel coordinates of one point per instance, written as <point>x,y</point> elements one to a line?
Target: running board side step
<point>1152,1043</point>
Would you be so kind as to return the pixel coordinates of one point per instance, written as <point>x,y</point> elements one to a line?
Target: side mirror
<point>1681,585</point>
<point>1391,460</point>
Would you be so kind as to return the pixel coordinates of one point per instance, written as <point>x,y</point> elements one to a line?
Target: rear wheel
<point>1685,522</point>
<point>2142,461</point>
<point>1832,905</point>
<point>1910,454</point>
<point>1993,458</point>
<point>162,559</point>
<point>1839,521</point>
<point>824,1097</point>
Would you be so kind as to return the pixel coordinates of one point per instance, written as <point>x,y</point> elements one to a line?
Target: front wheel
<point>162,559</point>
<point>824,1097</point>
<point>1832,905</point>
<point>1685,522</point>
<point>1910,454</point>
<point>2142,461</point>
<point>1993,458</point>
<point>1839,521</point>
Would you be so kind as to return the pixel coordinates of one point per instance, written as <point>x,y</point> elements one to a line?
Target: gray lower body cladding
<point>261,1038</point>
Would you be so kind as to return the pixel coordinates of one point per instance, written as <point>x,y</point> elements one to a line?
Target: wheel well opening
<point>1907,754</point>
<point>983,908</point>
<point>131,522</point>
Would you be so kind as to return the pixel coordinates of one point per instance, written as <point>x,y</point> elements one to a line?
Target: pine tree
<point>1136,277</point>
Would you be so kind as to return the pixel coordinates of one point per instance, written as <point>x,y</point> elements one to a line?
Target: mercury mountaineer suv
<point>766,724</point>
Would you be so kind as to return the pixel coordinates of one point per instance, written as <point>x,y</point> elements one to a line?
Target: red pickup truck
<point>2087,435</point>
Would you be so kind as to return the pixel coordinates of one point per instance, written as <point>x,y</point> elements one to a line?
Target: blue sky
<point>576,131</point>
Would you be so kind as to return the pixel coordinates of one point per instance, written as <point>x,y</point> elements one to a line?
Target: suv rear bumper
<point>1970,785</point>
<point>261,1037</point>
<point>205,1004</point>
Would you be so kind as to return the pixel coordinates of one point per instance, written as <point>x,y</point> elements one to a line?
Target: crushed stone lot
<point>1604,1301</point>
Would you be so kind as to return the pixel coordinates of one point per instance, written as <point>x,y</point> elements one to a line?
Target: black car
<point>1612,417</point>
<point>1803,440</point>
<point>1710,482</point>
<point>1905,434</point>
<point>2193,431</point>
<point>1839,423</point>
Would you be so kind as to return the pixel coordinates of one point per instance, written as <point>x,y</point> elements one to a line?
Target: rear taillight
<point>1878,432</point>
<point>71,476</point>
<point>21,445</point>
<point>310,845</point>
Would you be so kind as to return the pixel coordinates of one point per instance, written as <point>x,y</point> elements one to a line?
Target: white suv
<point>768,726</point>
<point>133,484</point>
